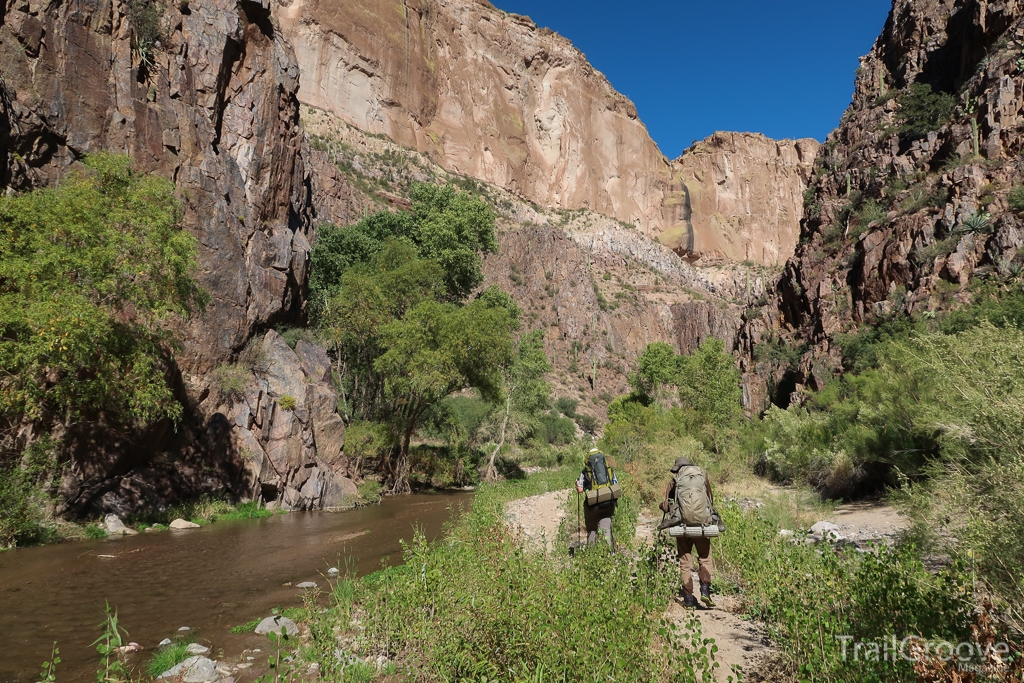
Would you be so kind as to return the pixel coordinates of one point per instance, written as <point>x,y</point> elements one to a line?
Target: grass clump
<point>169,656</point>
<point>247,627</point>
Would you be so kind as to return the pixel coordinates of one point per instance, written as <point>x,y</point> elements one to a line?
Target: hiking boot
<point>705,594</point>
<point>687,598</point>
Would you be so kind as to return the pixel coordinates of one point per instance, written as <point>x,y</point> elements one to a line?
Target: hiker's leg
<point>605,525</point>
<point>703,546</point>
<point>590,520</point>
<point>684,545</point>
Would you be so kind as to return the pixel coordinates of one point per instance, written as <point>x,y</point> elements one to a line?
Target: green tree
<point>435,350</point>
<point>89,271</point>
<point>709,385</point>
<point>657,367</point>
<point>525,393</point>
<point>444,225</point>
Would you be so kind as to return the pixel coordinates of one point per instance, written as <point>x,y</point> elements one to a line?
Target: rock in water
<point>275,624</point>
<point>333,571</point>
<point>182,524</point>
<point>196,649</point>
<point>193,670</point>
<point>165,641</point>
<point>306,584</point>
<point>113,525</point>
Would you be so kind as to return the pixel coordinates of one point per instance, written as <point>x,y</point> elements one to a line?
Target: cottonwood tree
<point>436,350</point>
<point>524,391</point>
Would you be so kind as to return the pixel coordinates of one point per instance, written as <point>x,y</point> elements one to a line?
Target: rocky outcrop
<point>212,106</point>
<point>738,196</point>
<point>897,223</point>
<point>214,110</point>
<point>491,96</point>
<point>286,428</point>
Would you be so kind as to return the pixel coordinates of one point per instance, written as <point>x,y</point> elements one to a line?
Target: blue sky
<point>783,68</point>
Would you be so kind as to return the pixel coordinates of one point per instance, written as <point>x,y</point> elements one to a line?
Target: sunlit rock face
<point>490,95</point>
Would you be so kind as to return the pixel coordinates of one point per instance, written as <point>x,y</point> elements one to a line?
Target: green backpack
<point>602,489</point>
<point>692,496</point>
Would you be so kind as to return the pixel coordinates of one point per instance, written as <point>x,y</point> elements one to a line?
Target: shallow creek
<point>209,579</point>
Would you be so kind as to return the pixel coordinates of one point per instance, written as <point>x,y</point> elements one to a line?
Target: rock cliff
<point>208,101</point>
<point>897,222</point>
<point>491,96</point>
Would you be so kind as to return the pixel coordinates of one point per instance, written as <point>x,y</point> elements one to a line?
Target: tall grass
<point>480,605</point>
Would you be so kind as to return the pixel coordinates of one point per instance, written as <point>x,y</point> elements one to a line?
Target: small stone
<point>193,670</point>
<point>183,524</point>
<point>275,624</point>
<point>306,584</point>
<point>165,642</point>
<point>196,649</point>
<point>826,530</point>
<point>785,533</point>
<point>333,571</point>
<point>185,628</point>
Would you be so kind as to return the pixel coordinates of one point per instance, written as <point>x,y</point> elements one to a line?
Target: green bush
<point>1015,198</point>
<point>233,380</point>
<point>922,111</point>
<point>812,596</point>
<point>554,429</point>
<point>92,269</point>
<point>566,406</point>
<point>287,402</point>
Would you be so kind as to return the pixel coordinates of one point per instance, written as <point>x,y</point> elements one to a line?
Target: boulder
<point>314,360</point>
<point>196,669</point>
<point>283,372</point>
<point>196,649</point>
<point>339,492</point>
<point>183,524</point>
<point>825,531</point>
<point>275,624</point>
<point>113,525</point>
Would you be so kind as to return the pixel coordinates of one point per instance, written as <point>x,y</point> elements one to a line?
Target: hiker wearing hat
<point>597,478</point>
<point>691,489</point>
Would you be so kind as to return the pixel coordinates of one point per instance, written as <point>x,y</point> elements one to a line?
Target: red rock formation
<point>489,95</point>
<point>884,231</point>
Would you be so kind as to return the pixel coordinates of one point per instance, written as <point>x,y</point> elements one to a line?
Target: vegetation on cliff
<point>90,271</point>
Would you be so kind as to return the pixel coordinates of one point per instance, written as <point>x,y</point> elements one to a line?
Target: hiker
<point>596,517</point>
<point>691,489</point>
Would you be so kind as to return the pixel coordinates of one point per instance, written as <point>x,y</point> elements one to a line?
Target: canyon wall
<point>214,109</point>
<point>902,224</point>
<point>491,96</point>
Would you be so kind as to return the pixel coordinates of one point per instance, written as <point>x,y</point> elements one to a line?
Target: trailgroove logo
<point>915,649</point>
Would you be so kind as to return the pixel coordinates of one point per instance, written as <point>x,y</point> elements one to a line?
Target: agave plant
<point>976,222</point>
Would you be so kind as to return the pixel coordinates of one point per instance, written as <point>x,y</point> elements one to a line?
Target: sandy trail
<point>741,642</point>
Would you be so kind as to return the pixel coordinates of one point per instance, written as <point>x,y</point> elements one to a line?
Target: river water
<point>209,579</point>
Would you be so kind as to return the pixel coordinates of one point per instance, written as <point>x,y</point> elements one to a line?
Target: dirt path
<point>741,641</point>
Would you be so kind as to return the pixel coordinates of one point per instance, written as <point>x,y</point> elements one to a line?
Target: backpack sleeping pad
<point>602,489</point>
<point>692,496</point>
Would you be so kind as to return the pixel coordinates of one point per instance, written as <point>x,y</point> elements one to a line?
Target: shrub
<point>287,402</point>
<point>233,380</point>
<point>922,111</point>
<point>588,423</point>
<point>566,406</point>
<point>1015,198</point>
<point>554,429</point>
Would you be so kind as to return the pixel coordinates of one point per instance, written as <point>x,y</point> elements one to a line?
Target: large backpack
<point>602,490</point>
<point>692,496</point>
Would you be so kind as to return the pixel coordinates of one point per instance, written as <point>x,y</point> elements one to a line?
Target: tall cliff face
<point>901,224</point>
<point>489,95</point>
<point>215,111</point>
